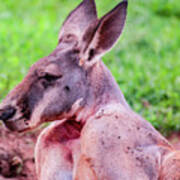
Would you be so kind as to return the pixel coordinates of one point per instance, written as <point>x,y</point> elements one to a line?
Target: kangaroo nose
<point>7,113</point>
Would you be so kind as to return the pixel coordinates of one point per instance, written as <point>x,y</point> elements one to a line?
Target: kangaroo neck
<point>102,90</point>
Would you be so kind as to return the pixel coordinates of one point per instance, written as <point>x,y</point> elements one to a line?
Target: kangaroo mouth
<point>18,125</point>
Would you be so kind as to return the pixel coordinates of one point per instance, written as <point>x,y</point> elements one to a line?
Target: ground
<point>17,156</point>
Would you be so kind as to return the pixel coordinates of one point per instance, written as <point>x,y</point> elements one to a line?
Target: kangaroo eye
<point>51,77</point>
<point>48,79</point>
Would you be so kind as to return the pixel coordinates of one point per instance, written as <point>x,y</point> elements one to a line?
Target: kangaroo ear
<point>78,21</point>
<point>107,33</point>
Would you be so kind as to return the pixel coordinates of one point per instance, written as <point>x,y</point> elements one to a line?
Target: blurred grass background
<point>145,62</point>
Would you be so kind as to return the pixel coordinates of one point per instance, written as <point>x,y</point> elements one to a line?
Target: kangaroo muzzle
<point>7,113</point>
<point>12,120</point>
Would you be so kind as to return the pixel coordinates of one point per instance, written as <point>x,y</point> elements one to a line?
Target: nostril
<point>7,113</point>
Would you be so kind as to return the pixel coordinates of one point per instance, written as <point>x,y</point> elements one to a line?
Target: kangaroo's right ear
<point>107,33</point>
<point>77,22</point>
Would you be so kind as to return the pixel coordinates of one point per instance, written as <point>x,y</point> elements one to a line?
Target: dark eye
<point>50,77</point>
<point>47,79</point>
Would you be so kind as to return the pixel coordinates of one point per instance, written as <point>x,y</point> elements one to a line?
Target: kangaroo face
<point>50,89</point>
<point>57,82</point>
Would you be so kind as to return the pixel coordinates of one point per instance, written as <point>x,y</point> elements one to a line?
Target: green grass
<point>145,62</point>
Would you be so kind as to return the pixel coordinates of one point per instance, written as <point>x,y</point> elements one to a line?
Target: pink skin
<point>95,135</point>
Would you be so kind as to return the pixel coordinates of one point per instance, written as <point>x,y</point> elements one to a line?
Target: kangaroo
<point>94,134</point>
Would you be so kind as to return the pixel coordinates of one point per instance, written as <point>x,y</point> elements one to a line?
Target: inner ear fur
<point>78,21</point>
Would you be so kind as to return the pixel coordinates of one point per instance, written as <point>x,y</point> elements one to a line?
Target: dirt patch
<point>17,155</point>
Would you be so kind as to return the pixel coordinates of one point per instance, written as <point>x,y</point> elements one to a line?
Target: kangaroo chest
<point>120,145</point>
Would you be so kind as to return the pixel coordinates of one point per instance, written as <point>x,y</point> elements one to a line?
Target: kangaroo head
<point>55,83</point>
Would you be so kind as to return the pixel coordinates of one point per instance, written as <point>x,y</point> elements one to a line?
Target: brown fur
<point>97,136</point>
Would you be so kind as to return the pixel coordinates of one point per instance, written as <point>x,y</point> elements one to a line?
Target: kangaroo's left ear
<point>78,21</point>
<point>107,33</point>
